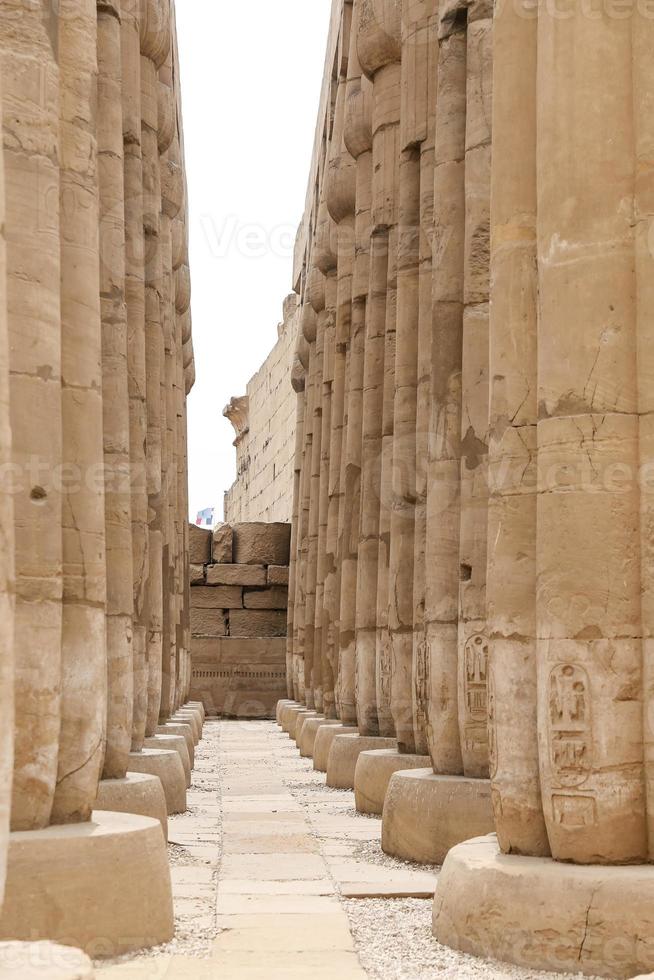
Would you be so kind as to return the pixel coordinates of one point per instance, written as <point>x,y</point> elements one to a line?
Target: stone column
<point>428,64</point>
<point>427,813</point>
<point>317,300</point>
<point>155,49</point>
<point>588,585</point>
<point>511,593</point>
<point>406,562</point>
<point>379,51</point>
<point>473,634</point>
<point>31,169</point>
<point>358,140</point>
<point>135,299</point>
<point>582,541</point>
<point>413,130</point>
<point>6,565</point>
<point>443,495</point>
<point>118,531</point>
<point>173,245</point>
<point>341,202</point>
<point>55,392</point>
<point>299,383</point>
<point>171,650</point>
<point>83,651</point>
<point>325,255</point>
<point>309,335</point>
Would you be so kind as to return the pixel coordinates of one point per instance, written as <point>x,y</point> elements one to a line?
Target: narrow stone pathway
<point>276,876</point>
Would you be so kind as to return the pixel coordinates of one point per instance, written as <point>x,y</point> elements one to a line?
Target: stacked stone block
<point>264,424</point>
<point>239,602</point>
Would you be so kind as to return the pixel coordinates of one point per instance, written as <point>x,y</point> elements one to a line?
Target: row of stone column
<point>472,520</point>
<point>96,360</point>
<point>391,502</point>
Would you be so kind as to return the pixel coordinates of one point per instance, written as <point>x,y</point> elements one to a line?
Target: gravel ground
<point>370,851</point>
<point>394,941</point>
<point>393,936</point>
<point>195,927</point>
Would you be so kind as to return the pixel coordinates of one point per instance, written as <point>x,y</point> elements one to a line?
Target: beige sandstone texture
<point>264,423</point>
<point>239,616</point>
<point>44,900</point>
<point>468,576</point>
<point>425,815</point>
<point>138,793</point>
<point>373,773</point>
<point>96,361</point>
<point>595,919</point>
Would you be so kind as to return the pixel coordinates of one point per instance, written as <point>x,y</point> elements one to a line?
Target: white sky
<point>251,73</point>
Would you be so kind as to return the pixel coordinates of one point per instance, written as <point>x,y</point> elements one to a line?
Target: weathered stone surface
<point>239,677</point>
<point>137,793</point>
<point>538,913</point>
<point>167,765</point>
<point>114,848</point>
<point>323,743</point>
<point>217,597</point>
<point>308,734</point>
<point>344,754</point>
<point>262,544</point>
<point>274,598</point>
<point>278,575</point>
<point>257,622</point>
<point>373,774</point>
<point>237,574</point>
<point>208,622</point>
<point>222,549</point>
<point>95,364</point>
<point>197,574</point>
<point>264,423</point>
<point>425,815</point>
<point>199,545</point>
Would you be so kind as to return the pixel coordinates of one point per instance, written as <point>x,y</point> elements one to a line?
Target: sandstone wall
<point>264,422</point>
<point>239,602</point>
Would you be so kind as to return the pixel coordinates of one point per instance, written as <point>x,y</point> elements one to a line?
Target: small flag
<point>205,517</point>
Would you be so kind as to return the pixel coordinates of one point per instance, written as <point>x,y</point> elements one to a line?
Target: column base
<point>290,718</point>
<point>308,734</point>
<point>544,915</point>
<point>284,703</point>
<point>344,754</point>
<point>199,706</point>
<point>199,714</point>
<point>373,774</point>
<point>178,744</point>
<point>189,718</point>
<point>43,961</point>
<point>288,713</point>
<point>301,721</point>
<point>137,793</point>
<point>102,886</point>
<point>170,728</point>
<point>426,815</point>
<point>324,740</point>
<point>167,765</point>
